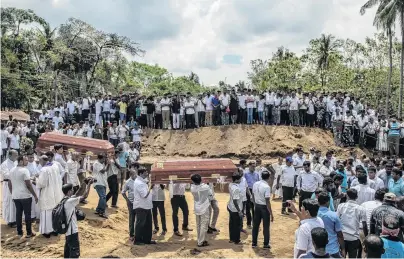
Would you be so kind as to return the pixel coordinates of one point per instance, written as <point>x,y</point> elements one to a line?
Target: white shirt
<point>208,103</point>
<point>251,99</point>
<point>235,195</point>
<point>56,121</point>
<point>190,107</point>
<point>86,104</point>
<point>71,106</point>
<point>241,101</point>
<point>166,102</point>
<point>288,176</point>
<point>294,104</point>
<point>70,210</point>
<point>309,182</point>
<point>141,190</point>
<point>72,170</point>
<point>352,215</point>
<point>261,192</point>
<point>303,239</point>
<point>106,105</point>
<point>98,106</point>
<point>369,207</point>
<point>14,141</point>
<point>243,189</point>
<point>129,187</point>
<point>136,133</point>
<point>365,193</point>
<point>122,131</point>
<point>158,193</point>
<point>202,197</point>
<point>179,188</point>
<point>100,177</point>
<point>225,99</point>
<point>4,135</point>
<point>18,176</point>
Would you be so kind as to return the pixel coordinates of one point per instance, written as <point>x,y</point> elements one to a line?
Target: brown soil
<point>235,142</point>
<point>100,237</point>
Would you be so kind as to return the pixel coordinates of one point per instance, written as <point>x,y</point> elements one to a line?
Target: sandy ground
<point>110,237</point>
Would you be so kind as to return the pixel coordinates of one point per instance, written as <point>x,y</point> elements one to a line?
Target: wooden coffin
<point>83,145</point>
<point>180,171</point>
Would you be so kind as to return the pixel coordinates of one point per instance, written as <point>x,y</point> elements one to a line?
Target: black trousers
<point>216,117</point>
<point>310,120</point>
<point>113,189</point>
<point>353,248</point>
<point>177,202</point>
<point>242,116</point>
<point>302,117</point>
<point>284,120</point>
<point>132,216</point>
<point>287,194</point>
<point>270,117</point>
<point>23,205</point>
<point>85,114</point>
<point>261,214</point>
<point>201,119</point>
<point>159,205</point>
<point>249,209</point>
<point>302,196</point>
<point>190,121</point>
<point>143,226</point>
<point>158,121</point>
<point>72,246</point>
<point>235,223</point>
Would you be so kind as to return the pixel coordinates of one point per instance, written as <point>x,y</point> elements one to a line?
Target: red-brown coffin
<point>79,144</point>
<point>180,171</point>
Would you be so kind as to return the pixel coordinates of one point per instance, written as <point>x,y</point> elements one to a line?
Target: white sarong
<point>45,224</point>
<point>8,206</point>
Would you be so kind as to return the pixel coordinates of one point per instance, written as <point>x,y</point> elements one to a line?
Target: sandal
<point>204,243</point>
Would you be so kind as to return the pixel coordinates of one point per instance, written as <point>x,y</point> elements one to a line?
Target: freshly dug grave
<point>235,142</point>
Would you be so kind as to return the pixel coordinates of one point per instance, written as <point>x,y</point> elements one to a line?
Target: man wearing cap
<point>287,179</point>
<point>387,208</point>
<point>393,247</point>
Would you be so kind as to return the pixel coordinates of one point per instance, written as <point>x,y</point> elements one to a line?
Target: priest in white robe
<point>50,194</point>
<point>8,205</point>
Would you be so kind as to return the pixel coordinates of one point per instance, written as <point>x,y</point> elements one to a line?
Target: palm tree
<point>387,26</point>
<point>388,12</point>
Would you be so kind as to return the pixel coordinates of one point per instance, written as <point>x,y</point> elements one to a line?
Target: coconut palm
<point>387,26</point>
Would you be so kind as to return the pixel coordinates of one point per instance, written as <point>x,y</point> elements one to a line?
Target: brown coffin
<point>79,144</point>
<point>180,171</point>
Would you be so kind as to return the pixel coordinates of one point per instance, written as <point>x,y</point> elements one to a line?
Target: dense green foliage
<point>42,64</point>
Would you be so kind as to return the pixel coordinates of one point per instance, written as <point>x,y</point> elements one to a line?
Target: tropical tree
<point>386,23</point>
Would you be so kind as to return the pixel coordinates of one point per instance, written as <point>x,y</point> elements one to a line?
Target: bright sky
<point>214,38</point>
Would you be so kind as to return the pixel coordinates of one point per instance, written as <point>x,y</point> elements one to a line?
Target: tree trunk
<point>400,103</point>
<point>390,70</point>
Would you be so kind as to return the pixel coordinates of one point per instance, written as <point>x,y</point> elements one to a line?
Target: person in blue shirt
<point>332,223</point>
<point>251,177</point>
<point>393,247</point>
<point>123,157</point>
<point>329,187</point>
<point>341,171</point>
<point>396,183</point>
<point>373,246</point>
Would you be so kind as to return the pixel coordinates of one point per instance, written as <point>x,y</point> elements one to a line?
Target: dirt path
<point>99,237</point>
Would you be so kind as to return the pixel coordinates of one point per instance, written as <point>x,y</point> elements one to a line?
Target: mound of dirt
<point>235,142</point>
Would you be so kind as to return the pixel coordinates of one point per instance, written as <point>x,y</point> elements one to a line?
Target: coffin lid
<point>79,144</point>
<point>224,165</point>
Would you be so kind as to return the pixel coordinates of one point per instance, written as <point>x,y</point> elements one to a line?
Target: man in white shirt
<point>365,193</point>
<point>209,109</point>
<point>86,107</point>
<point>100,169</point>
<point>57,119</point>
<point>294,103</point>
<point>287,179</point>
<point>189,106</point>
<point>269,105</point>
<point>307,183</point>
<point>50,195</point>
<point>353,217</point>
<point>371,205</point>
<point>143,204</point>
<point>178,201</point>
<point>44,116</point>
<point>202,198</point>
<point>308,220</point>
<point>98,110</point>
<point>72,170</point>
<point>4,146</point>
<point>128,194</point>
<point>224,103</point>
<point>8,206</point>
<point>263,211</point>
<point>71,200</point>
<point>106,108</point>
<point>158,198</point>
<point>235,208</point>
<point>21,190</point>
<point>165,111</point>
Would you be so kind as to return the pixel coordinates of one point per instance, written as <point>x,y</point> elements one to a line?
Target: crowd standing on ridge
<point>352,207</point>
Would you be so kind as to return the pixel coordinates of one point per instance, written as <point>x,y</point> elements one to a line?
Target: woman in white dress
<point>382,137</point>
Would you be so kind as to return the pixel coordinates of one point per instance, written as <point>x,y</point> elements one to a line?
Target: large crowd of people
<point>350,207</point>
